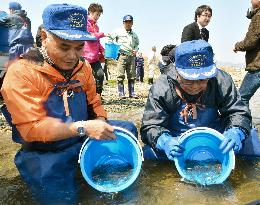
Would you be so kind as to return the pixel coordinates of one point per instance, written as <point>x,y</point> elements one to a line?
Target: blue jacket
<point>139,62</point>
<point>19,26</point>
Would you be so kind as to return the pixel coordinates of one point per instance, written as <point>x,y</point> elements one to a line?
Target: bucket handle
<point>116,128</point>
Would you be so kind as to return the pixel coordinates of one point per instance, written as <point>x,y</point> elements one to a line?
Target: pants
<point>98,75</point>
<point>140,74</point>
<point>249,86</point>
<point>125,64</point>
<point>106,69</point>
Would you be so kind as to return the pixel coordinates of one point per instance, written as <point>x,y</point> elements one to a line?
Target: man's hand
<point>134,53</point>
<point>232,139</point>
<point>99,130</point>
<point>169,145</point>
<point>96,129</point>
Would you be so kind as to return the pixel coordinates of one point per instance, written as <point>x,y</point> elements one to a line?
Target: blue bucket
<point>111,166</point>
<point>202,150</point>
<point>111,50</point>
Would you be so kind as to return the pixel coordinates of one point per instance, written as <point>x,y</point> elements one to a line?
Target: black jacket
<point>192,32</point>
<point>163,101</point>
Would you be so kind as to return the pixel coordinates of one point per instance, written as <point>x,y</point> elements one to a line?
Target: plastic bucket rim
<point>231,154</point>
<point>124,185</point>
<point>109,43</point>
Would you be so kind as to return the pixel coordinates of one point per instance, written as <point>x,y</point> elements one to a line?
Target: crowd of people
<point>59,83</point>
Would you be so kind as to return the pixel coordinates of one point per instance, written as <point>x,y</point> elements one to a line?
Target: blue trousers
<point>249,86</point>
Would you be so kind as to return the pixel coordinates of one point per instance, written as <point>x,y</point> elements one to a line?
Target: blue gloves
<point>233,139</point>
<point>169,145</point>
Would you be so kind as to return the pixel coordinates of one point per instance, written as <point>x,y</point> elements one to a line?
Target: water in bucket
<point>111,50</point>
<point>111,165</point>
<point>203,172</point>
<point>202,161</point>
<point>112,171</point>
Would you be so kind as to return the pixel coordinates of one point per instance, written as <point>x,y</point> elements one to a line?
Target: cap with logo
<point>194,60</point>
<point>15,6</point>
<point>67,21</point>
<point>128,18</point>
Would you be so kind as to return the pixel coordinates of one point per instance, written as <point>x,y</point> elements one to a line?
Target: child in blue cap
<point>195,93</point>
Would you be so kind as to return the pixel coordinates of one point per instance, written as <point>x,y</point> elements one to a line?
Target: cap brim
<point>74,35</point>
<point>198,74</point>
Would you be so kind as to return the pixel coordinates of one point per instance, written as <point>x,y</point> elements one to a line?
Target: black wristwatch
<point>81,130</point>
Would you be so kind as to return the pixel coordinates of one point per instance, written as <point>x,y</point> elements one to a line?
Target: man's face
<point>192,87</point>
<point>64,53</point>
<point>128,25</point>
<point>204,18</point>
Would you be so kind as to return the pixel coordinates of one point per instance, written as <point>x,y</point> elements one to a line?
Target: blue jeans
<point>249,86</point>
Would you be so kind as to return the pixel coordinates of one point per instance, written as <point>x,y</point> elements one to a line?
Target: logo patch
<point>77,20</point>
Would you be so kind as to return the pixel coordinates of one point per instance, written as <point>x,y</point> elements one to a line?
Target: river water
<point>158,183</point>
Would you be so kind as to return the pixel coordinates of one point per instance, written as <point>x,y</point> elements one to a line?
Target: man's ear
<point>43,36</point>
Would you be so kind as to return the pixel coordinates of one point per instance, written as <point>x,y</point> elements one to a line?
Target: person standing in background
<point>139,65</point>
<point>93,50</point>
<point>20,37</point>
<point>251,45</point>
<point>129,43</point>
<point>197,30</point>
<point>167,58</point>
<point>152,65</point>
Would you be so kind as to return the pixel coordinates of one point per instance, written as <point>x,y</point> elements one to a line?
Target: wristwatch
<point>80,129</point>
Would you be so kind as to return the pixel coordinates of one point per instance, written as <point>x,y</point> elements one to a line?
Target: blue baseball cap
<point>15,5</point>
<point>194,60</point>
<point>67,21</point>
<point>128,18</point>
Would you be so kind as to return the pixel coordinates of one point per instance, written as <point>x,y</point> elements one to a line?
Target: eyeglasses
<point>185,82</point>
<point>206,15</point>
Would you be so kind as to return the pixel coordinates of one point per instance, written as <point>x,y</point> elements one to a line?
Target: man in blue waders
<point>52,105</point>
<point>194,94</point>
<point>129,42</point>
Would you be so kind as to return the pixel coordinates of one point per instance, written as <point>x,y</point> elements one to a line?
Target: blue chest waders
<point>49,168</point>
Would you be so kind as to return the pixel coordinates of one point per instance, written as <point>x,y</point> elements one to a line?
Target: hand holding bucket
<point>111,166</point>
